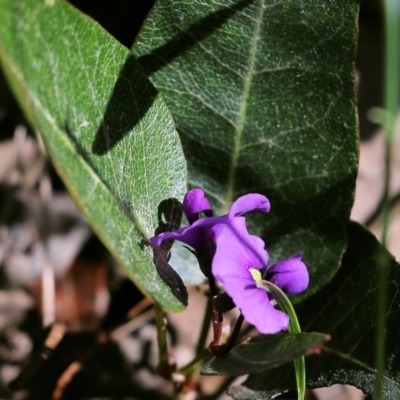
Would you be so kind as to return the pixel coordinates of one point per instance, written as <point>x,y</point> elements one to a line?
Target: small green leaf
<point>267,353</point>
<point>346,308</point>
<point>262,92</point>
<point>106,128</point>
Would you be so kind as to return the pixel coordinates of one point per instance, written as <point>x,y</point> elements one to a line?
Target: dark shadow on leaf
<point>169,215</point>
<point>122,19</point>
<point>182,42</point>
<point>130,100</point>
<point>169,219</point>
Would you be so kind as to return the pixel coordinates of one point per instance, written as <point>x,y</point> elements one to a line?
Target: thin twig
<point>130,326</point>
<point>73,368</point>
<point>139,307</point>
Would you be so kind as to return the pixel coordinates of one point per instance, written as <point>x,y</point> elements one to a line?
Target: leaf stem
<point>294,327</point>
<point>163,364</point>
<point>192,369</point>
<point>392,86</point>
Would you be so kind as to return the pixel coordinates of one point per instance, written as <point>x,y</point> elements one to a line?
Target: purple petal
<point>249,202</point>
<point>255,305</point>
<point>194,235</point>
<point>193,203</point>
<point>237,251</point>
<point>258,311</point>
<point>290,275</point>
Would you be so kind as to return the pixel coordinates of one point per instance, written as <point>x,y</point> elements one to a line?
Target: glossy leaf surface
<point>108,132</point>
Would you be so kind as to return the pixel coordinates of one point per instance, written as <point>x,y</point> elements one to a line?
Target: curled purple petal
<point>194,235</point>
<point>249,202</point>
<point>195,202</point>
<point>290,275</point>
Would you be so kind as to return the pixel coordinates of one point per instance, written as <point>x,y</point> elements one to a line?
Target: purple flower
<point>199,233</point>
<point>240,262</point>
<point>239,259</point>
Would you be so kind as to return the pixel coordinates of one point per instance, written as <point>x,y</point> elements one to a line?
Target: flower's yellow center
<point>256,274</point>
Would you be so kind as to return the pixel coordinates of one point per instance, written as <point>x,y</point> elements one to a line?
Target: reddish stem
<point>217,318</point>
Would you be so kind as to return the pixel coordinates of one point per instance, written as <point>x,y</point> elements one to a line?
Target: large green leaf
<point>347,309</point>
<point>105,126</point>
<point>262,92</point>
<point>266,353</point>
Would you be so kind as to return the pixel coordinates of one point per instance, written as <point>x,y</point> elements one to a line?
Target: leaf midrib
<point>242,111</point>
